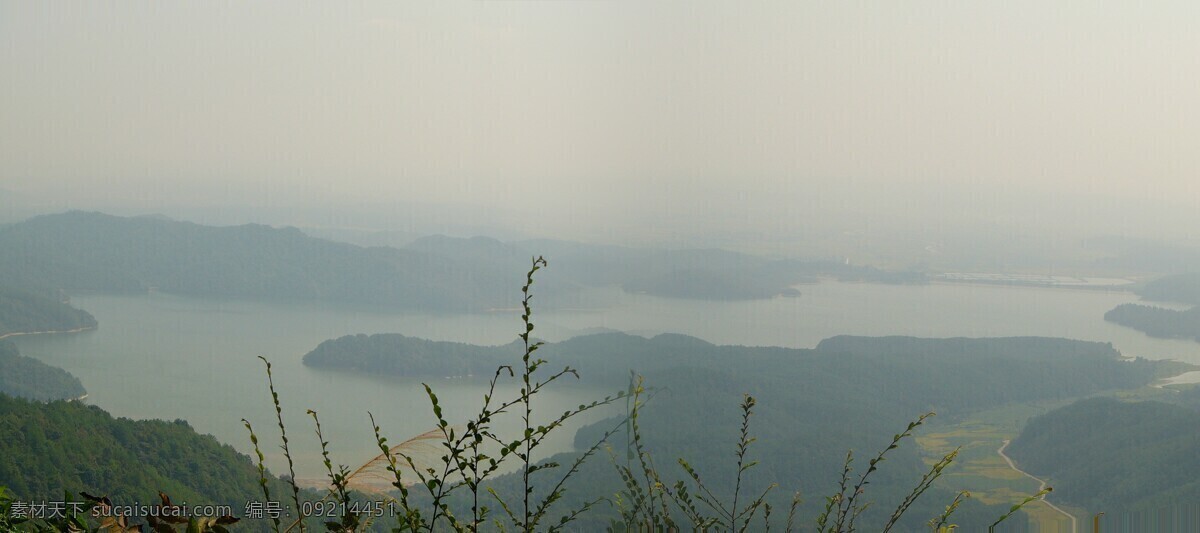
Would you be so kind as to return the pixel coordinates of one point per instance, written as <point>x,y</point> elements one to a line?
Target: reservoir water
<point>171,357</point>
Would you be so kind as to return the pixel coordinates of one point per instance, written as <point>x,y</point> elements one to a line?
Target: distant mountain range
<point>91,251</point>
<point>80,251</point>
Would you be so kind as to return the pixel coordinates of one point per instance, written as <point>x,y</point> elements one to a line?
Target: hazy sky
<point>748,112</point>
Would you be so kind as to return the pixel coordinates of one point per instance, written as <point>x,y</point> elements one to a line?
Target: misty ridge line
<point>80,251</point>
<point>895,360</point>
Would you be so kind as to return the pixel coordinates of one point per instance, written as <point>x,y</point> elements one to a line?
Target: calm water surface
<point>165,356</point>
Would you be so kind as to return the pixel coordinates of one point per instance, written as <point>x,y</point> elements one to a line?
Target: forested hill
<point>399,355</point>
<point>813,405</point>
<point>1157,321</point>
<point>851,392</point>
<point>998,368</point>
<point>46,448</point>
<point>26,310</point>
<point>92,251</point>
<point>1182,288</point>
<point>1130,460</point>
<point>25,377</point>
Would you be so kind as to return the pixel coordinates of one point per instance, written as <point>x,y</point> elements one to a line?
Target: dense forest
<point>1157,321</point>
<point>46,448</point>
<point>25,377</point>
<point>26,310</point>
<point>610,357</point>
<point>811,403</point>
<point>1130,460</point>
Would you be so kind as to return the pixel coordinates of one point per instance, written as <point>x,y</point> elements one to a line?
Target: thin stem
<point>283,436</point>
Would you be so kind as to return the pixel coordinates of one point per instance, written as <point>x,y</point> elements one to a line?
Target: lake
<point>166,356</point>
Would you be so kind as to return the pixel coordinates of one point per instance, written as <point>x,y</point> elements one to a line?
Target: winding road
<point>1041,485</point>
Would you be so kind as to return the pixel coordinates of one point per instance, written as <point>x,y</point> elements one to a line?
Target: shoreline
<point>76,330</point>
<point>983,283</point>
<point>1187,377</point>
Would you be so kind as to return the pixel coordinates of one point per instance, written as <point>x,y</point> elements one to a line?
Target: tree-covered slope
<point>399,355</point>
<point>46,448</point>
<point>92,251</point>
<point>975,371</point>
<point>24,310</point>
<point>1157,321</point>
<point>813,405</point>
<point>1116,457</point>
<point>25,377</point>
<point>985,372</point>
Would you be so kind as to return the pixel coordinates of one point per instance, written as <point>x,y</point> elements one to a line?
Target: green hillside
<point>25,377</point>
<point>1157,321</point>
<point>813,405</point>
<point>1130,460</point>
<point>24,310</point>
<point>399,355</point>
<point>49,448</point>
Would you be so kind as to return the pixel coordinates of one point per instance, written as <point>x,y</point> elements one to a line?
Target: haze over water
<point>165,356</point>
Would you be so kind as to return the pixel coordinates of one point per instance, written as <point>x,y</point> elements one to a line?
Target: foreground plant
<point>465,465</point>
<point>645,507</point>
<point>647,503</point>
<point>472,455</point>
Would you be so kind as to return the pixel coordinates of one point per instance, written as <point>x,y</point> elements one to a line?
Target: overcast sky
<point>751,112</point>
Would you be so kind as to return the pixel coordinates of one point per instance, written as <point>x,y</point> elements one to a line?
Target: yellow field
<point>980,469</point>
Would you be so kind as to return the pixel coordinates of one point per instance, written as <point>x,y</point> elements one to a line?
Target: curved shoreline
<point>76,330</point>
<point>1189,377</point>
